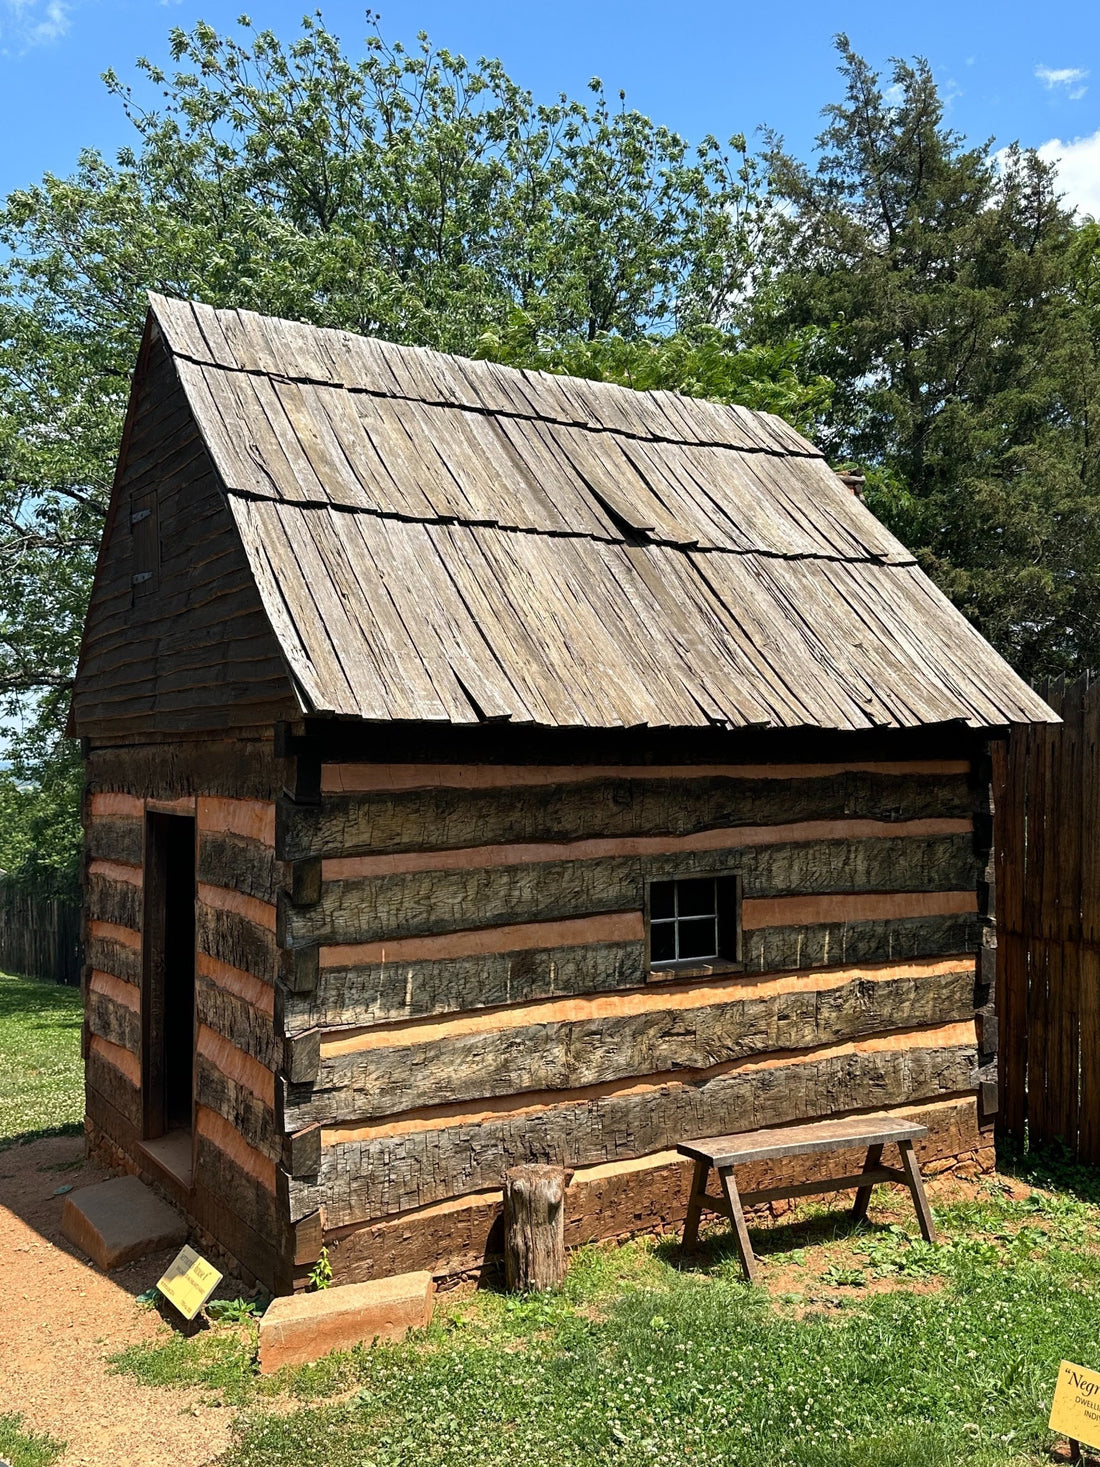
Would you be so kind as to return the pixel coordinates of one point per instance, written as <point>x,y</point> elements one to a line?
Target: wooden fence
<point>1048,955</point>
<point>39,936</point>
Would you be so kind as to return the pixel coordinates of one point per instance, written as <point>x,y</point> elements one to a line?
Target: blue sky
<point>1011,70</point>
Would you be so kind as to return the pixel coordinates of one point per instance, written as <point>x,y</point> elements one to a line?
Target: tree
<point>406,193</point>
<point>939,278</point>
<point>700,361</point>
<point>40,842</point>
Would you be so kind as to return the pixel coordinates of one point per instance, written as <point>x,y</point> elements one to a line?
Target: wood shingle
<point>435,539</point>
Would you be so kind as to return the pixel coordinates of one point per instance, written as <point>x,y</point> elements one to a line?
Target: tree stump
<point>534,1227</point>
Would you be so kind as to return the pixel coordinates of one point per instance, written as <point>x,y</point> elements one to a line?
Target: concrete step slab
<point>119,1220</point>
<point>302,1327</point>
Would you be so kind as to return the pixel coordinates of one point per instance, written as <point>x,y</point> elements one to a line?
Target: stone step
<point>303,1327</point>
<point>116,1221</point>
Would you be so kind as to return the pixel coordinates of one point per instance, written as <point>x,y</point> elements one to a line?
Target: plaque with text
<point>189,1282</point>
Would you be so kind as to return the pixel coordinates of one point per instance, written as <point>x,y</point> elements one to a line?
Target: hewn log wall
<point>615,1199</point>
<point>238,1138</point>
<point>467,985</point>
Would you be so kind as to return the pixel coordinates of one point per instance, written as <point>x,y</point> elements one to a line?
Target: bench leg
<point>695,1205</point>
<point>863,1195</point>
<point>737,1218</point>
<point>916,1186</point>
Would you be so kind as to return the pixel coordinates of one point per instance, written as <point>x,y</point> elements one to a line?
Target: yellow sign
<point>1076,1409</point>
<point>189,1282</point>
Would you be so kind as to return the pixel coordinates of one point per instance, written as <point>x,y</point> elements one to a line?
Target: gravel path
<point>59,1319</point>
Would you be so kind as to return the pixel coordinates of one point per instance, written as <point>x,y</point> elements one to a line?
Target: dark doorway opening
<point>168,1011</point>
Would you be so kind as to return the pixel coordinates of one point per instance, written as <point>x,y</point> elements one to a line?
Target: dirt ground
<point>59,1319</point>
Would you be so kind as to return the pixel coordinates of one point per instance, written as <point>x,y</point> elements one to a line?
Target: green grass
<point>41,1075</point>
<point>223,1358</point>
<point>26,1449</point>
<point>874,1349</point>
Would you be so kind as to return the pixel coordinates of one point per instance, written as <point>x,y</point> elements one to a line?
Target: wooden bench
<point>726,1152</point>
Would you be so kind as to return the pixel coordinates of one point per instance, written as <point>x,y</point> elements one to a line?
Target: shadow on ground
<point>770,1242</point>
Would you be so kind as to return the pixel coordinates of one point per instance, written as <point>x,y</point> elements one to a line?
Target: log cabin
<point>485,766</point>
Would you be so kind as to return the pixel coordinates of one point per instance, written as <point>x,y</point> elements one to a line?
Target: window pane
<point>696,898</point>
<point>662,942</point>
<point>698,938</point>
<point>661,899</point>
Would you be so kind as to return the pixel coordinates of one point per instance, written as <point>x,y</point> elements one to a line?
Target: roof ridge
<point>751,430</point>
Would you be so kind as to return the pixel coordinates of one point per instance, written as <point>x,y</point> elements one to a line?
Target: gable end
<point>176,638</point>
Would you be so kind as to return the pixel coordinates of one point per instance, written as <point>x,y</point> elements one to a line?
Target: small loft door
<point>168,1010</point>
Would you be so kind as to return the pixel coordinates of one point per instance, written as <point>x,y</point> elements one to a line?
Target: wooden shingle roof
<point>441,539</point>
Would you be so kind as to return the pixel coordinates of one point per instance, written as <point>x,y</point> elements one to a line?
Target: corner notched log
<point>534,1227</point>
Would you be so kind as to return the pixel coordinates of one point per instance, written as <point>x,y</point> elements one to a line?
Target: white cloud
<point>1072,78</point>
<point>1078,164</point>
<point>27,23</point>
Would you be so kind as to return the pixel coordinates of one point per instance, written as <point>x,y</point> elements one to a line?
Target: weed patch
<point>221,1358</point>
<point>26,1449</point>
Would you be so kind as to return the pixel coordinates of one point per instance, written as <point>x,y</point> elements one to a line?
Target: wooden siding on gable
<point>194,650</point>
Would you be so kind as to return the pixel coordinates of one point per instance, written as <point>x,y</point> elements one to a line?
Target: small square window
<point>695,919</point>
